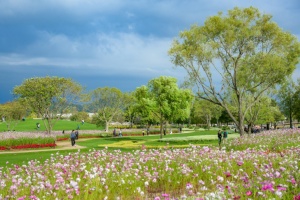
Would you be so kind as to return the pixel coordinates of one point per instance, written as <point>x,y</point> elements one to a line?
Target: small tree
<point>108,103</point>
<point>288,101</point>
<point>130,112</point>
<point>162,99</point>
<point>206,110</point>
<point>263,112</point>
<point>49,97</point>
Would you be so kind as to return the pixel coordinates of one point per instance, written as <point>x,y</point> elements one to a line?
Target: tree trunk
<point>47,124</point>
<point>106,126</point>
<point>249,128</point>
<point>240,124</point>
<point>291,117</point>
<point>275,125</point>
<point>161,126</point>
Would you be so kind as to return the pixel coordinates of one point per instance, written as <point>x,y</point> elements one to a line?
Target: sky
<point>108,43</point>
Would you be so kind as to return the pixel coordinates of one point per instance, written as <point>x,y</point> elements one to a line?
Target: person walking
<point>76,134</point>
<point>225,134</point>
<point>38,126</point>
<point>220,137</point>
<point>72,137</point>
<point>115,132</point>
<point>120,133</point>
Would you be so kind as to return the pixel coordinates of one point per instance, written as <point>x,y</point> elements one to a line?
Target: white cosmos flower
<point>146,183</point>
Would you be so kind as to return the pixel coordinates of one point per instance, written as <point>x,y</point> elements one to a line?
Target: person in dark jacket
<point>73,138</point>
<point>220,137</point>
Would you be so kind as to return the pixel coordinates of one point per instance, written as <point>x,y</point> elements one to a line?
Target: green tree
<point>243,53</point>
<point>288,100</point>
<point>12,113</point>
<point>264,111</point>
<point>130,112</point>
<point>296,99</point>
<point>163,100</point>
<point>225,118</point>
<point>108,103</point>
<point>49,97</point>
<point>79,116</point>
<point>206,111</point>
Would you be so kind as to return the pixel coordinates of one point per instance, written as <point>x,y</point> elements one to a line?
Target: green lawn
<point>122,143</point>
<point>30,125</point>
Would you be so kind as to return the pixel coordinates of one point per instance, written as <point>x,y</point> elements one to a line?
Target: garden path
<point>61,145</point>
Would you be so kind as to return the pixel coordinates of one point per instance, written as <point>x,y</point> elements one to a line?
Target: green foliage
<point>12,113</point>
<point>204,111</point>
<point>79,116</point>
<point>289,100</point>
<point>162,100</point>
<point>255,55</point>
<point>108,103</point>
<point>48,97</point>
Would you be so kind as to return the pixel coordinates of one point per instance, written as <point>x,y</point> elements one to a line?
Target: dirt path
<point>61,145</point>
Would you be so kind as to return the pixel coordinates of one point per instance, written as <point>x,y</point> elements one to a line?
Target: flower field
<point>251,171</point>
<point>19,140</point>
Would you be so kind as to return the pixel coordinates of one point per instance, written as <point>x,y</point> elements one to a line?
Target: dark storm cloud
<point>117,43</point>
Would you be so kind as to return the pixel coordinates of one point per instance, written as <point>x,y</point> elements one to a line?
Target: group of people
<point>115,132</point>
<point>147,130</point>
<point>222,135</point>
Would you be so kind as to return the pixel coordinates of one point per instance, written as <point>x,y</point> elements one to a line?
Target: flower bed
<point>27,142</point>
<point>161,174</point>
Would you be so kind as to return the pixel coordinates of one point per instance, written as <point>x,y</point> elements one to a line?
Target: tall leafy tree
<point>163,100</point>
<point>242,53</point>
<point>108,103</point>
<point>49,97</point>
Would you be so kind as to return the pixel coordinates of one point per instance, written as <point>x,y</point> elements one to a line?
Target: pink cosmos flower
<point>33,197</point>
<point>277,174</point>
<point>281,188</point>
<point>248,193</point>
<point>227,174</point>
<point>268,186</point>
<point>240,163</point>
<point>297,197</point>
<point>189,186</point>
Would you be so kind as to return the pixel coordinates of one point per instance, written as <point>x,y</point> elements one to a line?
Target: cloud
<point>94,41</point>
<point>121,53</point>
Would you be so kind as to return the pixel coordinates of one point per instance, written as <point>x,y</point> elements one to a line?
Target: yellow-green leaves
<point>244,51</point>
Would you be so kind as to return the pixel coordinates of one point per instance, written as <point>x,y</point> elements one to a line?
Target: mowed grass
<point>30,125</point>
<point>125,144</point>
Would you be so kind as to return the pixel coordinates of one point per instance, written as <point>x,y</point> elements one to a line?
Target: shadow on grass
<point>117,139</point>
